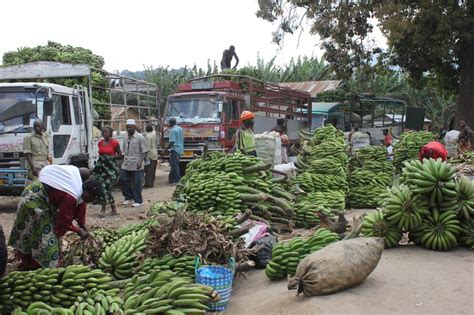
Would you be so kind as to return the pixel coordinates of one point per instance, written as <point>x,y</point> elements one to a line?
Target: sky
<point>135,34</point>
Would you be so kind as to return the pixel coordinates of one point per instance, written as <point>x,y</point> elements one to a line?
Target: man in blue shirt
<point>176,147</point>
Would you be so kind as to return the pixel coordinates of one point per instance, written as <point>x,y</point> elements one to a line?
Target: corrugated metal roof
<point>313,87</point>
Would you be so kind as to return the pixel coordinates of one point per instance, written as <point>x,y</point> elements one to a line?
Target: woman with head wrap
<point>46,212</point>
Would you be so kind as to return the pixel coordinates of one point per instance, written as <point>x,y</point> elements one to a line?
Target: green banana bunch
<point>135,228</point>
<point>467,233</point>
<point>433,178</point>
<point>286,256</point>
<point>164,293</point>
<point>363,177</point>
<point>328,166</point>
<point>329,149</point>
<point>183,266</point>
<point>371,153</point>
<point>403,208</point>
<point>464,202</point>
<point>408,146</point>
<point>54,286</point>
<point>438,230</point>
<point>375,225</point>
<point>320,182</point>
<point>168,208</point>
<point>107,235</point>
<point>120,258</point>
<point>305,213</point>
<point>325,133</point>
<point>96,302</point>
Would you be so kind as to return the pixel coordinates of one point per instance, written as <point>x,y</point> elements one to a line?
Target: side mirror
<point>48,106</point>
<point>219,105</point>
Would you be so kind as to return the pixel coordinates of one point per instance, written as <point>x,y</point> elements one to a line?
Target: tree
<point>430,39</point>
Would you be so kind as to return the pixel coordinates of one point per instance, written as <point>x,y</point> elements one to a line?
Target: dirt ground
<point>407,280</point>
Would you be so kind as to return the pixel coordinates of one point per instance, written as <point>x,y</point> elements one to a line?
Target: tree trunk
<point>465,108</point>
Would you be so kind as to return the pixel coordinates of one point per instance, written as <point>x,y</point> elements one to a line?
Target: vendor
<point>46,212</point>
<point>244,138</point>
<point>282,131</point>
<point>433,150</point>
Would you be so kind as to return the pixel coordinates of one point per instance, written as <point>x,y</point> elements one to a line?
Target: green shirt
<point>37,146</point>
<point>246,141</point>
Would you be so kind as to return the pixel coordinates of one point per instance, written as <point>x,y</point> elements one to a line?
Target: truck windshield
<point>17,111</point>
<point>193,110</point>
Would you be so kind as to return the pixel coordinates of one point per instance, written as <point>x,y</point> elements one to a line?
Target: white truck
<point>69,114</point>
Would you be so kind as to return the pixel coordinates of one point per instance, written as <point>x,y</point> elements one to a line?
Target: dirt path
<point>407,280</point>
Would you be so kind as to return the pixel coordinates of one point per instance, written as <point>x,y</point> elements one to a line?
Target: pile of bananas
<point>305,213</point>
<point>54,286</point>
<point>306,206</point>
<point>120,258</point>
<point>286,256</point>
<point>328,166</point>
<point>465,199</point>
<point>467,233</point>
<point>403,208</point>
<point>164,293</point>
<point>183,266</point>
<point>438,230</point>
<point>370,174</point>
<point>433,178</point>
<point>408,146</point>
<point>375,225</point>
<point>326,133</point>
<point>214,192</point>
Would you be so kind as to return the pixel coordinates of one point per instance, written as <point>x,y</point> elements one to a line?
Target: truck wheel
<point>182,168</point>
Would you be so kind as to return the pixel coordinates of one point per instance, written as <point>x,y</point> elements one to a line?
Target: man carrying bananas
<point>433,150</point>
<point>244,138</point>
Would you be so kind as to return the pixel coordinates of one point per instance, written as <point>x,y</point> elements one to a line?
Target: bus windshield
<point>17,111</point>
<point>193,110</point>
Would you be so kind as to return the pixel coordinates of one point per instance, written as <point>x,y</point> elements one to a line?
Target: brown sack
<point>337,266</point>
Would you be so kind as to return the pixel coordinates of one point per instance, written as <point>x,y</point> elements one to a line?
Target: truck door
<point>64,137</point>
<point>78,108</point>
<point>231,121</point>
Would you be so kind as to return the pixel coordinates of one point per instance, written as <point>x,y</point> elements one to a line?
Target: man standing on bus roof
<point>176,148</point>
<point>244,138</point>
<point>227,58</point>
<point>36,149</point>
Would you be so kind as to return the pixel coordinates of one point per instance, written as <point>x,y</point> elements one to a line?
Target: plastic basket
<point>222,283</point>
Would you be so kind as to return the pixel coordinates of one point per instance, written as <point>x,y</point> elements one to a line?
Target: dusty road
<point>408,280</point>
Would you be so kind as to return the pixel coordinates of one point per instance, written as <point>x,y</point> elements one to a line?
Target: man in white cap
<point>131,174</point>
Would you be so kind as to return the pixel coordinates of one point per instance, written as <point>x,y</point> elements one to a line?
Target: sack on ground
<point>338,266</point>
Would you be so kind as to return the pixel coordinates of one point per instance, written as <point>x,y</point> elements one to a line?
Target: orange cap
<point>246,115</point>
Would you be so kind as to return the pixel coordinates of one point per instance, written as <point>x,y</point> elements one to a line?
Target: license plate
<point>188,153</point>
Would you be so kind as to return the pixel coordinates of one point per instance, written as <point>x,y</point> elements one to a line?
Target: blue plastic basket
<point>222,283</point>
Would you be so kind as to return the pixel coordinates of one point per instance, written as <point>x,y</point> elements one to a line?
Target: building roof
<point>398,118</point>
<point>312,87</point>
<point>324,107</point>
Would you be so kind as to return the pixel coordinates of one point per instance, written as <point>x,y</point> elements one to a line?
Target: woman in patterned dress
<point>106,168</point>
<point>46,211</point>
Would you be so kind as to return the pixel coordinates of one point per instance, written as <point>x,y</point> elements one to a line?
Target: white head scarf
<point>63,177</point>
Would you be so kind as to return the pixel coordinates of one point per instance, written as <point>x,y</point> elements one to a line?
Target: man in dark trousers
<point>176,148</point>
<point>227,58</point>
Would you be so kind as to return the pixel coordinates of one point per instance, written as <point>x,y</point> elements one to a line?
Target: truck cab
<point>208,109</point>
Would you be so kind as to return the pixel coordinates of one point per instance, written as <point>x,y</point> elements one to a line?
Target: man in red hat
<point>433,150</point>
<point>244,138</point>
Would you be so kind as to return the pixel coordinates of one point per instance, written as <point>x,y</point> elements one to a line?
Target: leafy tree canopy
<point>430,39</point>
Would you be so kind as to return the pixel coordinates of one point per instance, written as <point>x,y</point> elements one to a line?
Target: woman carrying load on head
<point>107,169</point>
<point>46,211</point>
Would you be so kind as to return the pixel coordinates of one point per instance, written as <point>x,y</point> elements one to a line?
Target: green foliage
<point>68,54</point>
<point>430,40</point>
